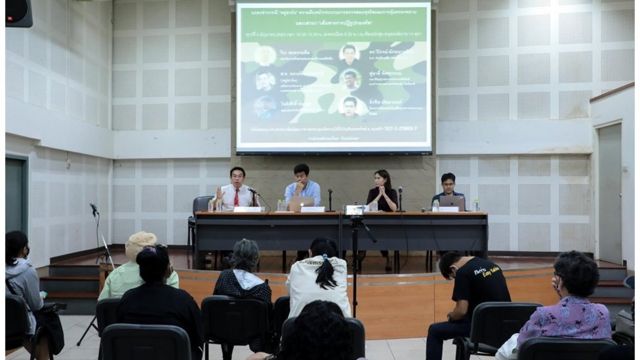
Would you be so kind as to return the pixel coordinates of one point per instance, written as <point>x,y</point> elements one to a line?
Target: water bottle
<point>436,205</point>
<point>476,204</point>
<point>210,205</point>
<point>373,206</point>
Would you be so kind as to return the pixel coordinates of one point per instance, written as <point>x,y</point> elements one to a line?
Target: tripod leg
<point>91,324</point>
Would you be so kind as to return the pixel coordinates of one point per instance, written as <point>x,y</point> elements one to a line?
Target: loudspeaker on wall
<point>18,13</point>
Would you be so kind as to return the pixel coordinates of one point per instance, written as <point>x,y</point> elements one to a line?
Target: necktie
<point>236,200</point>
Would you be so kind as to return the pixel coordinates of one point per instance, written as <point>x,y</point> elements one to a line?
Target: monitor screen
<point>333,77</point>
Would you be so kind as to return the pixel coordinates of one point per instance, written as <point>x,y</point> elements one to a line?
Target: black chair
<point>281,309</point>
<point>556,348</point>
<point>17,324</point>
<point>229,321</point>
<point>200,203</point>
<point>492,323</point>
<point>106,313</point>
<point>145,342</point>
<point>357,330</point>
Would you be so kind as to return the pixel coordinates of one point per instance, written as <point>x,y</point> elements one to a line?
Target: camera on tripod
<point>354,211</point>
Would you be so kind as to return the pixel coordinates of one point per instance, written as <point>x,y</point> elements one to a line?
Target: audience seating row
<point>493,323</point>
<point>227,321</point>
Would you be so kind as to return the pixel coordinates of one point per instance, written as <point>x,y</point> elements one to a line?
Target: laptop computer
<point>298,202</point>
<point>453,200</point>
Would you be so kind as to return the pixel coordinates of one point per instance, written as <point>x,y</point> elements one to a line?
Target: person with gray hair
<point>239,281</point>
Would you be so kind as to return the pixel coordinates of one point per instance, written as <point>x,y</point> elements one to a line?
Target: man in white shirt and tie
<point>236,193</point>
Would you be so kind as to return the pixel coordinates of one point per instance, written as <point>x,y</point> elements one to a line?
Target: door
<point>15,194</point>
<point>610,193</point>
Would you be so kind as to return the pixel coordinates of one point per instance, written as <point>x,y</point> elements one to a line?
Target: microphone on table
<point>400,199</point>
<point>330,193</point>
<point>255,193</point>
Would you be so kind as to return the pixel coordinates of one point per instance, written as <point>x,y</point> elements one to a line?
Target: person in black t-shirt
<point>386,199</point>
<point>476,280</point>
<point>155,302</point>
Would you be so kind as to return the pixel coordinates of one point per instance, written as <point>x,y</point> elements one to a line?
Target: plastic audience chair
<point>281,309</point>
<point>145,342</point>
<point>357,330</point>
<point>200,203</point>
<point>106,313</point>
<point>17,324</point>
<point>229,321</point>
<point>492,323</point>
<point>556,348</point>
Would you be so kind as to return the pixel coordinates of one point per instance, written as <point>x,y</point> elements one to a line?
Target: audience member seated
<point>127,275</point>
<point>476,280</point>
<point>322,276</point>
<point>575,277</point>
<point>155,302</point>
<point>23,280</point>
<point>320,333</point>
<point>240,282</point>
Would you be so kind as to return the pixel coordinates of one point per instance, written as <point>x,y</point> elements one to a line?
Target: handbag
<point>48,321</point>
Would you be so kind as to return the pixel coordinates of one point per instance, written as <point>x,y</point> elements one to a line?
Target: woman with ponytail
<point>322,276</point>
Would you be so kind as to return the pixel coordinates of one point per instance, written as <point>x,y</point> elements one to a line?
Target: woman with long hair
<point>384,198</point>
<point>322,276</point>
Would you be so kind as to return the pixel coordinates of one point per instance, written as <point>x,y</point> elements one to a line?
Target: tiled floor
<point>74,326</point>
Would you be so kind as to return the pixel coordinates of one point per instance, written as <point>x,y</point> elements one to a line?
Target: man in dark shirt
<point>476,280</point>
<point>448,182</point>
<point>154,302</point>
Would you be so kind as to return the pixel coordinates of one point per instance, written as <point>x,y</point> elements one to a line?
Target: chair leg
<point>227,351</point>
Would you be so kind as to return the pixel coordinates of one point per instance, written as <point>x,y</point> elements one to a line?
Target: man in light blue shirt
<point>303,186</point>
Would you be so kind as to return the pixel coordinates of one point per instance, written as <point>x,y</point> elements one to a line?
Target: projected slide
<point>333,77</point>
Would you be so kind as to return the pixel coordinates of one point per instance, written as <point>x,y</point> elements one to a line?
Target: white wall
<point>58,80</point>
<point>619,107</point>
<point>58,77</point>
<point>514,81</point>
<point>60,187</point>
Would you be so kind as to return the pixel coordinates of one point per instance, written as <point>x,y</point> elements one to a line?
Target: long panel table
<point>467,231</point>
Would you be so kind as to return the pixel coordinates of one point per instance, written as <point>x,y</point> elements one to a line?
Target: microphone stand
<point>107,257</point>
<point>255,193</point>
<point>357,221</point>
<point>400,199</point>
<point>330,193</point>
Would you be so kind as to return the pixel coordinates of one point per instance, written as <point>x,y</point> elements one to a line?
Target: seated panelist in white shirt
<point>236,193</point>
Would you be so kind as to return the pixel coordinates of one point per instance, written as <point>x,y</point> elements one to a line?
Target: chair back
<point>494,322</point>
<point>281,309</point>
<point>106,313</point>
<point>556,348</point>
<point>357,332</point>
<point>232,321</point>
<point>16,321</point>
<point>145,342</point>
<point>201,203</point>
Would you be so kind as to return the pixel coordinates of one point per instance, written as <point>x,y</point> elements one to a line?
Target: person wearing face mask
<point>23,281</point>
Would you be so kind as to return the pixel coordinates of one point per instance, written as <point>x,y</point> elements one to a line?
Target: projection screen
<point>333,77</point>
